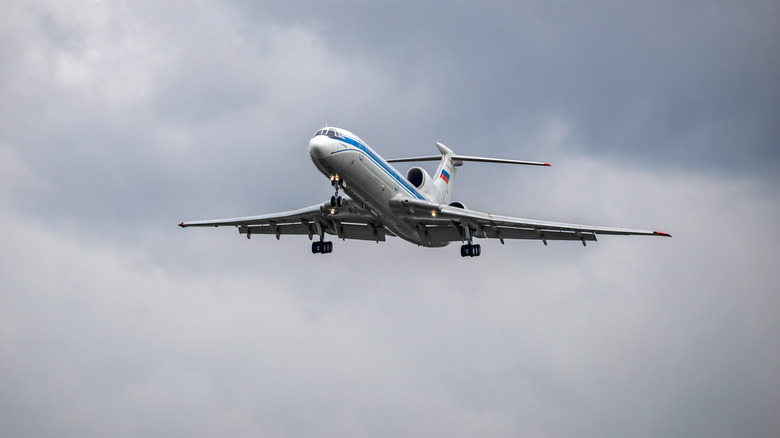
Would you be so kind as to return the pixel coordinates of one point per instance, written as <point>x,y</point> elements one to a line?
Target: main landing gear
<point>470,250</point>
<point>320,246</point>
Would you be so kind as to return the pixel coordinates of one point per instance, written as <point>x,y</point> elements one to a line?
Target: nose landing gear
<point>336,200</point>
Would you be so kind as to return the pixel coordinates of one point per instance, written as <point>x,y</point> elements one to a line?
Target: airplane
<point>416,208</point>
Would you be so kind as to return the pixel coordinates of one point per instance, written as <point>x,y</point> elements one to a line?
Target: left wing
<point>350,221</point>
<point>444,223</point>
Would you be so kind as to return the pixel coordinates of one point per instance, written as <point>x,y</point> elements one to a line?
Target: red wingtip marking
<point>659,233</point>
<point>547,164</point>
<point>182,225</point>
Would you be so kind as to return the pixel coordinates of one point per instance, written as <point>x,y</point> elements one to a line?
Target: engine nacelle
<point>420,180</point>
<point>458,204</point>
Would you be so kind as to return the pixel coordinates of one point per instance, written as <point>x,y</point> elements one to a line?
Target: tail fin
<point>444,175</point>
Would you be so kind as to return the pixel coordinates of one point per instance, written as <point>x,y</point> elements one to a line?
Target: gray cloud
<point>118,121</point>
<point>665,83</point>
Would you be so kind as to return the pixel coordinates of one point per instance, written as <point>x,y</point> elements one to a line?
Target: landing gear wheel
<point>321,247</point>
<point>332,201</point>
<point>470,250</point>
<point>339,201</point>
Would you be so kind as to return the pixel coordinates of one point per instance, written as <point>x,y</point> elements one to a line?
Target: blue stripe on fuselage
<point>362,148</point>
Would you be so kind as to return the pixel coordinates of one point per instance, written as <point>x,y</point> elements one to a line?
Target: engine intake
<point>417,176</point>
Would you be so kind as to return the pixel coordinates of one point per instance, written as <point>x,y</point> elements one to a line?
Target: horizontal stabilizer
<point>460,159</point>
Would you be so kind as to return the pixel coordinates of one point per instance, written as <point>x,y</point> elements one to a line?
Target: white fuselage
<point>367,178</point>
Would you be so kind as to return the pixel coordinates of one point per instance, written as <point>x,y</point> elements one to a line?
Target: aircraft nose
<point>320,147</point>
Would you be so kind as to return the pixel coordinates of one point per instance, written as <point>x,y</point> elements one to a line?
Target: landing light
<point>433,213</point>
<point>332,211</point>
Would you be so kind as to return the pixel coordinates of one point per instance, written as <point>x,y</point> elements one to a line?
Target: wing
<point>450,224</point>
<point>350,221</point>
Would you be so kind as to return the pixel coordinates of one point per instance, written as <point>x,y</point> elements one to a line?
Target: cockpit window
<point>332,133</point>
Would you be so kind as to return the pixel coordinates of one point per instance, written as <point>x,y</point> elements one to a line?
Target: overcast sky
<point>118,120</point>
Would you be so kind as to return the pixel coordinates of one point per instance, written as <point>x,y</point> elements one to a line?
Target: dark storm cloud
<point>671,82</point>
<point>117,121</point>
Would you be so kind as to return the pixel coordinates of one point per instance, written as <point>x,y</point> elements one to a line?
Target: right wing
<point>350,221</point>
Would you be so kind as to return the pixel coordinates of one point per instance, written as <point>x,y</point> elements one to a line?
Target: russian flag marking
<point>445,176</point>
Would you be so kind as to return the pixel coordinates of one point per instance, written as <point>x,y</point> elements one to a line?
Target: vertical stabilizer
<point>444,175</point>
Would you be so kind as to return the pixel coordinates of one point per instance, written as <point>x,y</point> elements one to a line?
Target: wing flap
<point>453,233</point>
<point>362,232</point>
<point>344,231</point>
<point>521,233</point>
<point>301,229</point>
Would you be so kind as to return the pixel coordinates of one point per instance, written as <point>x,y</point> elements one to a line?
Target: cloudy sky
<point>120,119</point>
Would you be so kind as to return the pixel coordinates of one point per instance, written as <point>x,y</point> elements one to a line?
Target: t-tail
<point>440,190</point>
